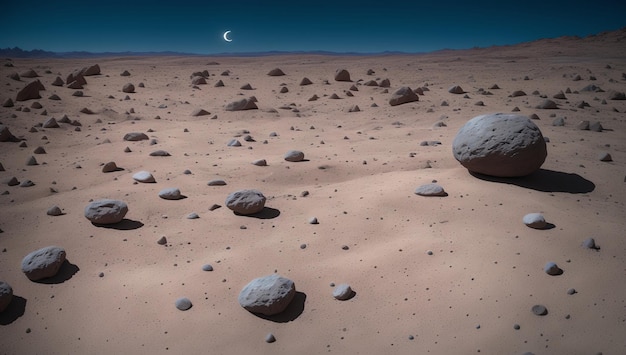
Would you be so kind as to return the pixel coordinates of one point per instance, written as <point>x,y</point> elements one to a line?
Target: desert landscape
<point>455,273</point>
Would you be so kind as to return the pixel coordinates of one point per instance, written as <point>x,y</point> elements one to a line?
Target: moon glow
<point>226,37</point>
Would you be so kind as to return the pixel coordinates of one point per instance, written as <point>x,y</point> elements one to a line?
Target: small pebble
<point>270,338</point>
<point>162,241</point>
<point>207,267</point>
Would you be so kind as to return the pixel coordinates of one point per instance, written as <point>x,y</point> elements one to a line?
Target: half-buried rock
<point>43,263</point>
<point>246,202</point>
<point>267,295</point>
<point>501,145</point>
<point>106,211</point>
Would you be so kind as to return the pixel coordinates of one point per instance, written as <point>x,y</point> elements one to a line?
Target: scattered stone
<point>144,176</point>
<point>6,136</point>
<point>200,112</point>
<point>517,93</point>
<point>313,220</point>
<point>171,193</point>
<point>558,122</point>
<point>276,72</point>
<point>270,338</point>
<point>616,95</point>
<point>240,105</point>
<point>547,105</point>
<point>207,267</point>
<point>343,292</point>
<point>30,91</point>
<point>135,136</point>
<point>219,84</point>
<point>162,241</point>
<point>402,96</point>
<point>125,73</point>
<point>539,310</point>
<point>294,156</point>
<point>596,127</point>
<point>106,211</point>
<point>160,153</point>
<point>6,295</point>
<point>552,269</point>
<point>571,291</point>
<point>456,90</point>
<point>43,263</point>
<point>128,88</point>
<point>305,81</point>
<point>110,167</point>
<point>260,162</point>
<point>29,74</point>
<point>214,207</point>
<point>246,202</point>
<point>342,75</point>
<point>8,103</point>
<point>54,211</point>
<point>217,182</point>
<point>605,156</point>
<point>183,303</point>
<point>503,145</point>
<point>234,143</point>
<point>267,295</point>
<point>51,123</point>
<point>590,243</point>
<point>430,190</point>
<point>535,220</point>
<point>27,183</point>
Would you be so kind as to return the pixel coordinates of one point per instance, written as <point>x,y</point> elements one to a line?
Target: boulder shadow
<point>266,213</point>
<point>546,181</point>
<point>65,273</point>
<point>293,311</point>
<point>16,309</point>
<point>124,225</point>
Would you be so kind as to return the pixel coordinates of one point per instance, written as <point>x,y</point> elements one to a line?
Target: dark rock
<point>183,303</point>
<point>6,295</point>
<point>552,269</point>
<point>240,105</point>
<point>342,75</point>
<point>276,72</point>
<point>30,91</point>
<point>136,136</point>
<point>430,190</point>
<point>403,95</point>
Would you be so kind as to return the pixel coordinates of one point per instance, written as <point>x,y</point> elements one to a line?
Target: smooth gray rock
<point>430,190</point>
<point>136,136</point>
<point>343,292</point>
<point>539,310</point>
<point>294,156</point>
<point>502,145</point>
<point>43,263</point>
<point>590,243</point>
<point>267,295</point>
<point>535,220</point>
<point>6,295</point>
<point>183,303</point>
<point>402,96</point>
<point>552,269</point>
<point>246,202</point>
<point>171,193</point>
<point>160,153</point>
<point>106,211</point>
<point>144,176</point>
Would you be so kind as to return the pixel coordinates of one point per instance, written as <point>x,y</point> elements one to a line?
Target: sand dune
<point>440,275</point>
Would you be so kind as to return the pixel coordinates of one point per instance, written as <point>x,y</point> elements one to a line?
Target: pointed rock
<point>403,95</point>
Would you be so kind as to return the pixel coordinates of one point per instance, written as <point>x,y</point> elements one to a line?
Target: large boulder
<point>30,91</point>
<point>106,211</point>
<point>92,70</point>
<point>402,96</point>
<point>246,202</point>
<point>502,145</point>
<point>267,295</point>
<point>43,263</point>
<point>6,295</point>
<point>240,105</point>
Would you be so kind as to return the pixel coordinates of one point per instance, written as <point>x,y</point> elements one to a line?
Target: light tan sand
<point>486,271</point>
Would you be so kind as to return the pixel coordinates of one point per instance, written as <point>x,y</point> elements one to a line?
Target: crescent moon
<point>226,37</point>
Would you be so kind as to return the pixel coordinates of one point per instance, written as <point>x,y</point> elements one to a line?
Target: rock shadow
<point>16,309</point>
<point>546,181</point>
<point>293,311</point>
<point>266,213</point>
<point>124,225</point>
<point>65,273</point>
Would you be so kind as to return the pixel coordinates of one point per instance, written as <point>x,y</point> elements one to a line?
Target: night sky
<point>363,26</point>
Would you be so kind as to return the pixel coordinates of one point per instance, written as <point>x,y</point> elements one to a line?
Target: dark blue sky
<point>268,25</point>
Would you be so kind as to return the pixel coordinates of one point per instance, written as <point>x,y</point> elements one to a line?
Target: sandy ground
<point>486,269</point>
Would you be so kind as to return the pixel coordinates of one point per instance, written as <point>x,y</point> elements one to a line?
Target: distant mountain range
<point>17,52</point>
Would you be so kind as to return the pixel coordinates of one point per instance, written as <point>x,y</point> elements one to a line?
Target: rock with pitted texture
<point>106,211</point>
<point>246,202</point>
<point>502,145</point>
<point>267,295</point>
<point>43,263</point>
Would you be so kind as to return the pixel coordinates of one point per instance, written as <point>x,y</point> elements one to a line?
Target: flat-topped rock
<point>106,211</point>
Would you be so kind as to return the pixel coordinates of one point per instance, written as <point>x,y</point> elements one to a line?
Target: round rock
<point>144,176</point>
<point>171,193</point>
<point>501,145</point>
<point>430,190</point>
<point>106,211</point>
<point>343,292</point>
<point>539,310</point>
<point>267,295</point>
<point>535,220</point>
<point>43,263</point>
<point>246,202</point>
<point>6,295</point>
<point>294,156</point>
<point>183,303</point>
